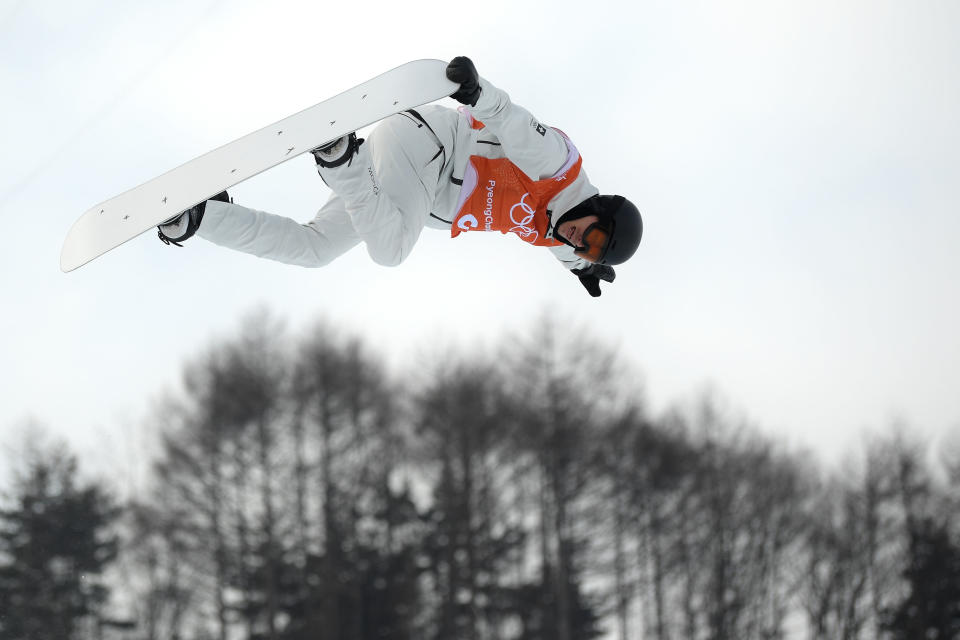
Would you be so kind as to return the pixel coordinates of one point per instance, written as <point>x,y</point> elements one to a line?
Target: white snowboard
<point>114,221</point>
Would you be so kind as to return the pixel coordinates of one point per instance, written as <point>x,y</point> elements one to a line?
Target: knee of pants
<point>409,160</point>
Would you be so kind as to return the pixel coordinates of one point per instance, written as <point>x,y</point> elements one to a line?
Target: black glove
<point>462,71</point>
<point>591,276</point>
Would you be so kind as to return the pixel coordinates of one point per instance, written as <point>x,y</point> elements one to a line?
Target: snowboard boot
<point>340,151</point>
<point>179,228</point>
<point>350,173</point>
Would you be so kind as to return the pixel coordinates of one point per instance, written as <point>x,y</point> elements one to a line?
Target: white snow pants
<point>383,198</point>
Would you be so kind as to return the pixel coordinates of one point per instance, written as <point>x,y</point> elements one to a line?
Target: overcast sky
<point>797,165</point>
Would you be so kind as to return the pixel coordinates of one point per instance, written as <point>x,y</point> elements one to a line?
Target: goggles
<point>595,241</point>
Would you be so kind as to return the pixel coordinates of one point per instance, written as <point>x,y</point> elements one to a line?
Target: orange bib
<point>497,196</point>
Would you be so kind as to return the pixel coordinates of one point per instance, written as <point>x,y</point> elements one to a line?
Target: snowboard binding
<point>183,226</point>
<point>339,152</point>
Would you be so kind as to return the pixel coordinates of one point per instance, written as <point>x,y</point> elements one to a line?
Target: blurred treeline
<point>301,491</point>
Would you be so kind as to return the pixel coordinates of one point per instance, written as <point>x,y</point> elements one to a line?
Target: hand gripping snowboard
<point>114,221</point>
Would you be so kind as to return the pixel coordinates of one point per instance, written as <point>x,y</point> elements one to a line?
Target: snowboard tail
<point>111,223</point>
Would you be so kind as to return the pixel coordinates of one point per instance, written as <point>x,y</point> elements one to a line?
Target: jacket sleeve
<point>315,244</point>
<point>538,150</point>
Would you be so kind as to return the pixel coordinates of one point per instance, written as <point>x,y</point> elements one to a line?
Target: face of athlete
<point>573,230</point>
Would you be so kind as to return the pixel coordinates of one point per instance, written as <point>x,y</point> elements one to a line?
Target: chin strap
<point>560,238</point>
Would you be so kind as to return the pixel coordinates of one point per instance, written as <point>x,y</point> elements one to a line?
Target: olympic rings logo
<point>527,209</point>
<point>522,227</point>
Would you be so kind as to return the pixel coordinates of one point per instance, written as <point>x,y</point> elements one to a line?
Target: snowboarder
<point>488,166</point>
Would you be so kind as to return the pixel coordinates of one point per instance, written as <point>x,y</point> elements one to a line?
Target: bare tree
<point>564,392</point>
<point>462,423</point>
<point>158,546</point>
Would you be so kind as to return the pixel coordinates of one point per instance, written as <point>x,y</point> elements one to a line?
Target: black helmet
<point>614,238</point>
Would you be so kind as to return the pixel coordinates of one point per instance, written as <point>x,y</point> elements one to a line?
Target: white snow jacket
<point>406,176</point>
